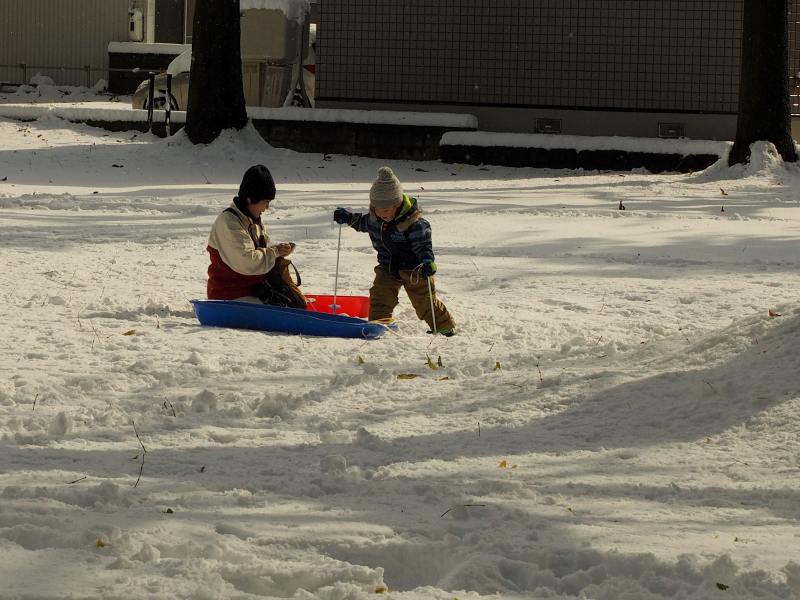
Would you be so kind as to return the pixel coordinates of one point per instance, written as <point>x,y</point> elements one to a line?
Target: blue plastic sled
<point>262,317</point>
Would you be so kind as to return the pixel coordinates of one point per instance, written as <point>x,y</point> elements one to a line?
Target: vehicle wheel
<point>160,103</point>
<point>299,99</point>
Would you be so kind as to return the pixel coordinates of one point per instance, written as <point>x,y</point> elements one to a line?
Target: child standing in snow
<point>402,239</point>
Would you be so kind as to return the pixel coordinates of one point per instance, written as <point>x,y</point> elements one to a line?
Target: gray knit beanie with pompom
<point>386,191</point>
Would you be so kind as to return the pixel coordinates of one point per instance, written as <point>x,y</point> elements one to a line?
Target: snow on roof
<point>144,48</point>
<point>574,142</point>
<point>295,10</point>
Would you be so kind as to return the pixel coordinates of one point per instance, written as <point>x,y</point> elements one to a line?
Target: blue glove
<point>342,216</point>
<point>428,268</point>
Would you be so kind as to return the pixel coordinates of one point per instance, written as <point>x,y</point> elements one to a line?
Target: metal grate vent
<point>671,130</point>
<point>548,125</point>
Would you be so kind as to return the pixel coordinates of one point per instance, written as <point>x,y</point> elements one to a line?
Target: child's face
<point>387,214</point>
<point>257,208</point>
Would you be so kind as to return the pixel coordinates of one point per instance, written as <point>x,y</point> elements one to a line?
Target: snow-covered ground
<point>616,419</point>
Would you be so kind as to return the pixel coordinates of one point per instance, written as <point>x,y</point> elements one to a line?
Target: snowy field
<point>616,419</point>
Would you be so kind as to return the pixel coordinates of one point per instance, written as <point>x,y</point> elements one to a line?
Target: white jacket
<point>235,237</point>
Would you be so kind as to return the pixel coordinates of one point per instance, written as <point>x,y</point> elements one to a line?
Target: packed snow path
<point>617,417</point>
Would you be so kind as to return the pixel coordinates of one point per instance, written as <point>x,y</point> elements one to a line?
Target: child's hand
<point>428,268</point>
<point>342,216</point>
<point>284,249</point>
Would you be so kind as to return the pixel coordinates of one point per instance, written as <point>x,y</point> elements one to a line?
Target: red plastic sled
<point>351,306</point>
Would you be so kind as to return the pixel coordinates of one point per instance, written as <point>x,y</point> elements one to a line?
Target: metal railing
<point>151,92</point>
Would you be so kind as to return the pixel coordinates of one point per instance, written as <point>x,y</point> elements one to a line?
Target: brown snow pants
<point>383,297</point>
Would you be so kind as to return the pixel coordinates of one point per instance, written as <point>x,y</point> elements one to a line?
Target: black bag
<point>278,288</point>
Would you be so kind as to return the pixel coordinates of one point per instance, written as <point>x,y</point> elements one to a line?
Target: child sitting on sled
<point>242,257</point>
<point>402,239</point>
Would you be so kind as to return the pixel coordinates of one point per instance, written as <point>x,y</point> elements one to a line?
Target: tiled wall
<point>794,55</point>
<point>664,55</point>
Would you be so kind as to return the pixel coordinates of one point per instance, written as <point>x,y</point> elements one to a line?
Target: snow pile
<point>765,163</point>
<point>44,89</point>
<point>41,80</point>
<point>616,417</point>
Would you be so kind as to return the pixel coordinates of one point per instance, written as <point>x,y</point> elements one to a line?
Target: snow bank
<point>42,90</point>
<point>627,144</point>
<point>31,112</point>
<point>317,115</point>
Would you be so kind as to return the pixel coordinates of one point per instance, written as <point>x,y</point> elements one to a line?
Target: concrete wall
<point>60,33</point>
<point>572,122</point>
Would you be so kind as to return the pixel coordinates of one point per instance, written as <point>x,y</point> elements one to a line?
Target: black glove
<point>342,216</point>
<point>428,268</point>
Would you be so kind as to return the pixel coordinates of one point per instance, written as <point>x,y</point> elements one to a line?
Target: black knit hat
<point>257,184</point>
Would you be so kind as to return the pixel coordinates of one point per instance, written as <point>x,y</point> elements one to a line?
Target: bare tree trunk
<point>216,96</point>
<point>764,112</point>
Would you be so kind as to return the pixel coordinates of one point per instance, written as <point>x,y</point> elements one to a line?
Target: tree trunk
<point>216,96</point>
<point>764,112</point>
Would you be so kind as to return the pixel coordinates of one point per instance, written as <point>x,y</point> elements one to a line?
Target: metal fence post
<point>262,82</point>
<point>24,68</point>
<point>168,105</point>
<point>88,70</point>
<point>151,85</point>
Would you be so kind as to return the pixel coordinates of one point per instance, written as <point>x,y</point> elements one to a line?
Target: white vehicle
<point>179,89</point>
<point>278,59</point>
